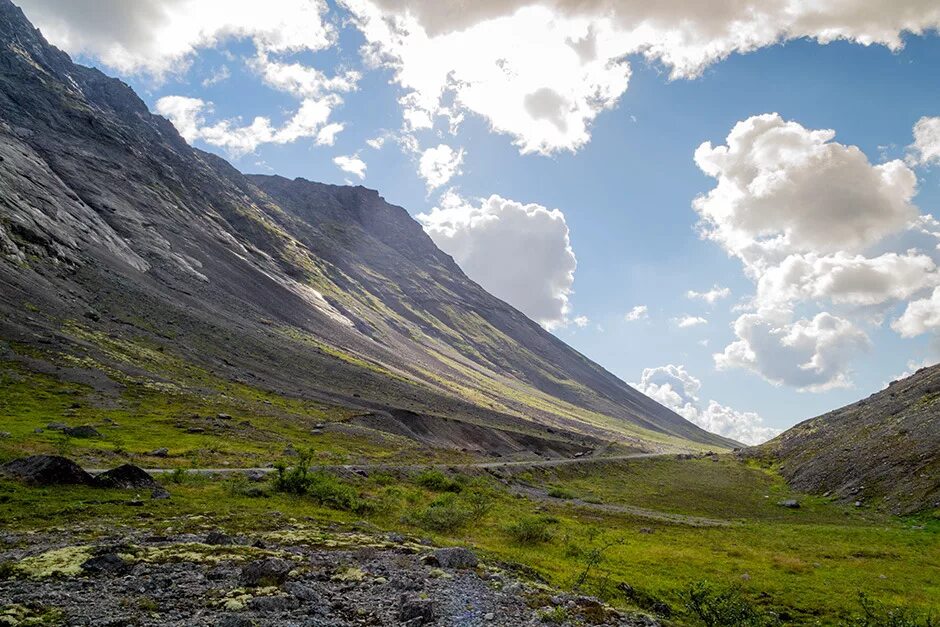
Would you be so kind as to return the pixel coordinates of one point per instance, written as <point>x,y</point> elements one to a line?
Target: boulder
<point>453,557</point>
<point>218,538</point>
<point>415,611</point>
<point>82,431</point>
<point>267,572</point>
<point>57,426</point>
<point>106,564</point>
<point>160,452</point>
<point>789,504</point>
<point>273,604</point>
<point>44,470</point>
<point>299,591</point>
<point>126,476</point>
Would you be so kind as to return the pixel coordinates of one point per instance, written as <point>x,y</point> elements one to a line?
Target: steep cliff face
<point>111,224</point>
<point>883,450</point>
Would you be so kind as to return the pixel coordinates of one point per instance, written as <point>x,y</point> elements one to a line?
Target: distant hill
<point>111,226</point>
<point>883,451</point>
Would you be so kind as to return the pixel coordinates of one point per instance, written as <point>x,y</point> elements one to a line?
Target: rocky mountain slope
<point>883,450</point>
<point>114,230</point>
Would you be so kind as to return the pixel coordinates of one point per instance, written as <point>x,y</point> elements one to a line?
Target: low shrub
<point>554,616</point>
<point>875,614</point>
<point>557,492</point>
<point>438,481</point>
<point>531,530</point>
<point>712,606</point>
<point>446,513</point>
<point>323,488</point>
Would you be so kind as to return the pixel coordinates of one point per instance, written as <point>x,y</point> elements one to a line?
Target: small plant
<point>7,570</point>
<point>179,476</point>
<point>294,479</point>
<point>723,607</point>
<point>553,616</point>
<point>875,614</point>
<point>557,492</point>
<point>531,530</point>
<point>438,481</point>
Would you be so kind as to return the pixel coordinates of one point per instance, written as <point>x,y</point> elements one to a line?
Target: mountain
<point>883,450</point>
<point>114,231</point>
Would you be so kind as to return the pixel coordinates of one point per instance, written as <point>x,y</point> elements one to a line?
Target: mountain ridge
<point>112,224</point>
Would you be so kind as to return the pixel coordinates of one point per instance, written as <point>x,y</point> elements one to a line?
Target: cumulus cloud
<point>521,253</point>
<point>440,164</point>
<point>813,221</point>
<point>189,117</point>
<point>219,75</point>
<point>926,146</point>
<point>711,296</point>
<point>640,312</point>
<point>543,71</point>
<point>326,136</point>
<point>807,354</point>
<point>783,189</point>
<point>686,322</point>
<point>920,316</point>
<point>581,321</point>
<point>678,390</point>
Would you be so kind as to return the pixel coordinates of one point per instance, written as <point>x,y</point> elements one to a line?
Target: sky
<point>729,205</point>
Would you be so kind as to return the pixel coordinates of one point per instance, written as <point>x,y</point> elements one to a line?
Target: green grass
<point>807,565</point>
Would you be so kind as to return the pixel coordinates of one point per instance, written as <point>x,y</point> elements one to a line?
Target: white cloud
<point>812,221</point>
<point>351,164</point>
<point>439,164</point>
<point>920,316</point>
<point>686,322</point>
<point>678,390</point>
<point>160,36</point>
<point>581,321</point>
<point>188,116</point>
<point>926,146</point>
<point>808,354</point>
<point>519,253</point>
<point>711,296</point>
<point>301,80</point>
<point>784,189</point>
<point>542,72</point>
<point>376,143</point>
<point>640,312</point>
<point>326,136</point>
<point>218,76</point>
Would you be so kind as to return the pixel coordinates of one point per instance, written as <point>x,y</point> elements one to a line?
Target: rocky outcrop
<point>47,470</point>
<point>882,451</point>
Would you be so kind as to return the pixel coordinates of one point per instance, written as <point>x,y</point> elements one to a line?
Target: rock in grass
<point>82,431</point>
<point>789,504</point>
<point>45,470</point>
<point>126,476</point>
<point>217,538</point>
<point>453,557</point>
<point>267,572</point>
<point>160,452</point>
<point>57,426</point>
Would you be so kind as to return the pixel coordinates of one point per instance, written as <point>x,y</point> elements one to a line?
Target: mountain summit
<point>114,230</point>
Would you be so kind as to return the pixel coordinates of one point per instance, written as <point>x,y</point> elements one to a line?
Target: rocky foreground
<point>300,576</point>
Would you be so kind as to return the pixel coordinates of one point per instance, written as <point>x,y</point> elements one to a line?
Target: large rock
<point>267,572</point>
<point>415,611</point>
<point>43,470</point>
<point>453,557</point>
<point>106,564</point>
<point>126,476</point>
<point>82,431</point>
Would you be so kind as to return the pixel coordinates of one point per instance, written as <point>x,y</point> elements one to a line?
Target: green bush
<point>479,500</point>
<point>323,488</point>
<point>560,493</point>
<point>445,513</point>
<point>531,530</point>
<point>875,614</point>
<point>554,616</point>
<point>723,607</point>
<point>438,481</point>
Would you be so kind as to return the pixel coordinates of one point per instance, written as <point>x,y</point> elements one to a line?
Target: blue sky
<point>623,189</point>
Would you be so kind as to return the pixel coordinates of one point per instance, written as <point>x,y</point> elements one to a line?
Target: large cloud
<point>675,388</point>
<point>783,189</point>
<point>160,36</point>
<point>519,253</point>
<point>808,354</point>
<point>439,164</point>
<point>542,71</point>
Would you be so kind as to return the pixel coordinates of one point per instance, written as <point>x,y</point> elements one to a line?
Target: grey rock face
<point>454,557</point>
